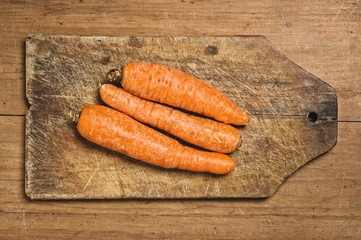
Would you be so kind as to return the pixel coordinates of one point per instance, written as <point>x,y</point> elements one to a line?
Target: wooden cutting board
<point>294,116</point>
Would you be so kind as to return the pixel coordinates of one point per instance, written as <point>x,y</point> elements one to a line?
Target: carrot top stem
<point>115,76</point>
<point>74,117</point>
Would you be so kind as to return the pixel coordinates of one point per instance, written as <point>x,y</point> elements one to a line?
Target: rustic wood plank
<point>322,37</point>
<point>64,73</point>
<point>321,200</point>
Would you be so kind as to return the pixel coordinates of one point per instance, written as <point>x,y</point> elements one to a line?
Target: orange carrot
<point>202,132</point>
<point>173,87</point>
<point>119,132</point>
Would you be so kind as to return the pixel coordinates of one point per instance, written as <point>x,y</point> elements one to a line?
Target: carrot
<point>173,87</point>
<point>119,132</point>
<point>202,132</point>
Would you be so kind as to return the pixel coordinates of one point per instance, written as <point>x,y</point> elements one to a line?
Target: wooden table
<point>322,200</point>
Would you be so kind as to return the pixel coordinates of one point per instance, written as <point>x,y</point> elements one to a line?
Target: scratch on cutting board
<point>91,178</point>
<point>67,97</point>
<point>206,192</point>
<point>226,73</point>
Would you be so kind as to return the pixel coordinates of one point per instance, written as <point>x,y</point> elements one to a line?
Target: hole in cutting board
<point>312,117</point>
<point>211,50</point>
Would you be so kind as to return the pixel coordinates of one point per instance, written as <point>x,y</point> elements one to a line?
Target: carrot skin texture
<point>119,132</point>
<point>202,132</point>
<point>170,86</point>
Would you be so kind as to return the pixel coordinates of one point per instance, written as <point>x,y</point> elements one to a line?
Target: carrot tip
<point>115,75</point>
<point>246,118</point>
<point>239,142</point>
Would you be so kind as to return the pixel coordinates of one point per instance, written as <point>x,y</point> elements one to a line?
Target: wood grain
<point>63,74</point>
<point>320,201</point>
<point>322,37</point>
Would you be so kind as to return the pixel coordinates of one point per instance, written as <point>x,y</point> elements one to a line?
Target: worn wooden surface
<point>320,201</point>
<point>63,74</point>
